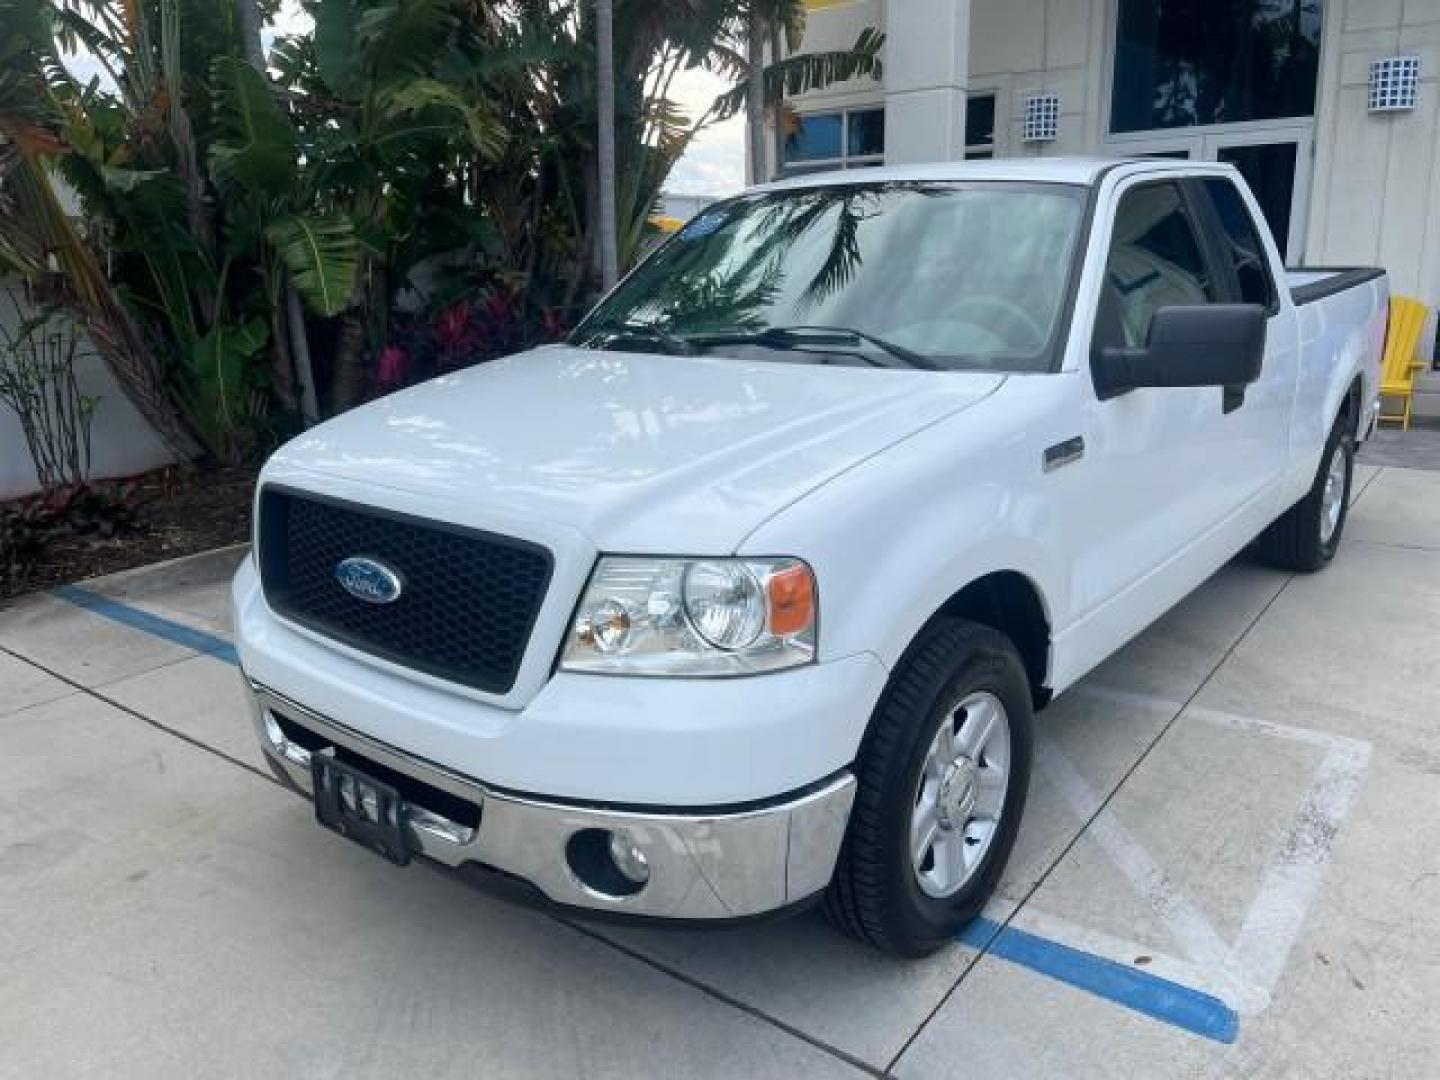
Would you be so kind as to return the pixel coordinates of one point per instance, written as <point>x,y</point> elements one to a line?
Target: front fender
<point>895,537</point>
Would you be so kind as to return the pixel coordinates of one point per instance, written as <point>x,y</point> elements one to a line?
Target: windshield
<point>935,275</point>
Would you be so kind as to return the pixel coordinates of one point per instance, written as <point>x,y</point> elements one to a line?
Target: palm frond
<point>254,146</point>
<point>804,72</point>
<point>416,97</point>
<point>401,38</point>
<point>322,255</point>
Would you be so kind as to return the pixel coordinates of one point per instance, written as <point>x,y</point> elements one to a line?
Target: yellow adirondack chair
<point>1397,380</point>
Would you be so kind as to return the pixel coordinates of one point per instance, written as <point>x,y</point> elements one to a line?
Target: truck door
<point>1260,429</point>
<point>1168,467</point>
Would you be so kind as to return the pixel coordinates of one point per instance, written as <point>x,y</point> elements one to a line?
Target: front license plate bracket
<point>360,808</point>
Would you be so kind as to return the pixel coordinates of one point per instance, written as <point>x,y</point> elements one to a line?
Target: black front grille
<point>468,602</point>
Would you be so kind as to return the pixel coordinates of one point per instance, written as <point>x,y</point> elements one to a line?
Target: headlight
<point>654,616</point>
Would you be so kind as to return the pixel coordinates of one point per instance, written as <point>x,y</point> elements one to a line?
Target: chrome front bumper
<point>724,865</point>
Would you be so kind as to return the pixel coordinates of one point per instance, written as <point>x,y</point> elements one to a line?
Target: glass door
<point>1276,166</point>
<point>1274,159</point>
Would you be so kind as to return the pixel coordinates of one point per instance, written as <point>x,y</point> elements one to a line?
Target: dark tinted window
<point>980,120</point>
<point>1155,261</point>
<point>1242,242</point>
<point>1269,169</point>
<point>1179,63</point>
<point>816,137</point>
<point>867,132</point>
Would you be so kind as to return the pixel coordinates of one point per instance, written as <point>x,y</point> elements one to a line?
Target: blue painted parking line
<point>154,625</point>
<point>1194,1011</point>
<point>1191,1010</point>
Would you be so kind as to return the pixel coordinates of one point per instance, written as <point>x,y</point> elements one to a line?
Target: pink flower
<point>451,326</point>
<point>552,323</point>
<point>394,365</point>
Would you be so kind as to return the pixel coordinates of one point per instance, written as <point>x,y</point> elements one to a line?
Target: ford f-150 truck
<point>746,596</point>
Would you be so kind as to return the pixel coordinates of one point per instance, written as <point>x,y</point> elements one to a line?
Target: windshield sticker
<point>702,226</point>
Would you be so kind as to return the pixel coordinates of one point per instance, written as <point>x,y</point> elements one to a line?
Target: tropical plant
<point>38,383</point>
<point>272,237</point>
<point>388,107</point>
<point>39,239</point>
<point>181,244</point>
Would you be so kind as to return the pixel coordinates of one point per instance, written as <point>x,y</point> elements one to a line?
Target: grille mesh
<point>468,603</point>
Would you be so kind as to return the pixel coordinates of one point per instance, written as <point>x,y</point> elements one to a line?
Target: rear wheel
<point>942,781</point>
<point>1306,536</point>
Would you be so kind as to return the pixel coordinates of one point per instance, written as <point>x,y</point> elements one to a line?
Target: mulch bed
<point>160,515</point>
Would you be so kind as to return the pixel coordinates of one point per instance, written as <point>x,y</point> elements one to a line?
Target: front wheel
<point>1306,536</point>
<point>942,778</point>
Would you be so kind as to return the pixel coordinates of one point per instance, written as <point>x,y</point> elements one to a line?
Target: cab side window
<point>1241,240</point>
<point>1155,261</point>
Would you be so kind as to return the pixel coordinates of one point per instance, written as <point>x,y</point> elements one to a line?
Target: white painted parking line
<point>1189,927</point>
<point>1244,973</point>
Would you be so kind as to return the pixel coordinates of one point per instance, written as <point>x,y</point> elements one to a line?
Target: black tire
<point>1296,540</point>
<point>874,895</point>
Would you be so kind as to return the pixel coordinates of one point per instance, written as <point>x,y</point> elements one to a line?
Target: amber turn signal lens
<point>791,593</point>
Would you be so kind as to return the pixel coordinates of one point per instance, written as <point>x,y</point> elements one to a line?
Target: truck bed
<point>1311,283</point>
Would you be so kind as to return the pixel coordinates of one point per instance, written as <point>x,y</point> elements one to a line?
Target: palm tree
<point>605,89</point>
<point>756,32</point>
<point>741,52</point>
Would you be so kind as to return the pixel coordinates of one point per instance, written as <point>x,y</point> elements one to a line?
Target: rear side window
<point>1155,261</point>
<point>1242,245</point>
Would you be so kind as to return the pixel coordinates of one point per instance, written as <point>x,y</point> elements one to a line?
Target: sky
<point>715,162</point>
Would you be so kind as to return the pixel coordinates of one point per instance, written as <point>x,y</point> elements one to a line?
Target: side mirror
<point>1200,345</point>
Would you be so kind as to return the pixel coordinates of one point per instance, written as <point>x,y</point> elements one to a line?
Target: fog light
<point>607,864</point>
<point>273,732</point>
<point>628,857</point>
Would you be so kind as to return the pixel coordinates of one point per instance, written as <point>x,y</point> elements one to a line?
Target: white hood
<point>641,453</point>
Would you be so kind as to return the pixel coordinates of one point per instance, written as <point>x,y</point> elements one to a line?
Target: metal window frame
<point>846,160</point>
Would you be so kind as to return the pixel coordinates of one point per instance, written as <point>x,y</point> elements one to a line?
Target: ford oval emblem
<point>369,580</point>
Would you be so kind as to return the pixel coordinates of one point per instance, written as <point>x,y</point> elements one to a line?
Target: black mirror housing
<point>1200,345</point>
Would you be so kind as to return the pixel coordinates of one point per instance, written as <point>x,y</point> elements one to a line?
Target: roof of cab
<point>1049,170</point>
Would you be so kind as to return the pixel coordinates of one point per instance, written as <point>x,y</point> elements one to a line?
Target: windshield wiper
<point>618,331</point>
<point>800,337</point>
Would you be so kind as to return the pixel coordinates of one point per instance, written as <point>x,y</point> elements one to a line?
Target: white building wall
<point>1024,47</point>
<point>927,63</point>
<point>122,443</point>
<point>1012,48</point>
<point>1376,192</point>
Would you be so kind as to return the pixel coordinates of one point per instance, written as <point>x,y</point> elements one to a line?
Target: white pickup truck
<point>746,596</point>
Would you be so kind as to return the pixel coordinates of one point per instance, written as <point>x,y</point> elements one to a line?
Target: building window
<point>816,142</point>
<point>1183,63</point>
<point>980,127</point>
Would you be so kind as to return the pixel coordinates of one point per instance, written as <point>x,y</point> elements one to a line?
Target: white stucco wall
<point>122,443</point>
<point>926,70</point>
<point>1024,47</point>
<point>1015,48</point>
<point>1376,193</point>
